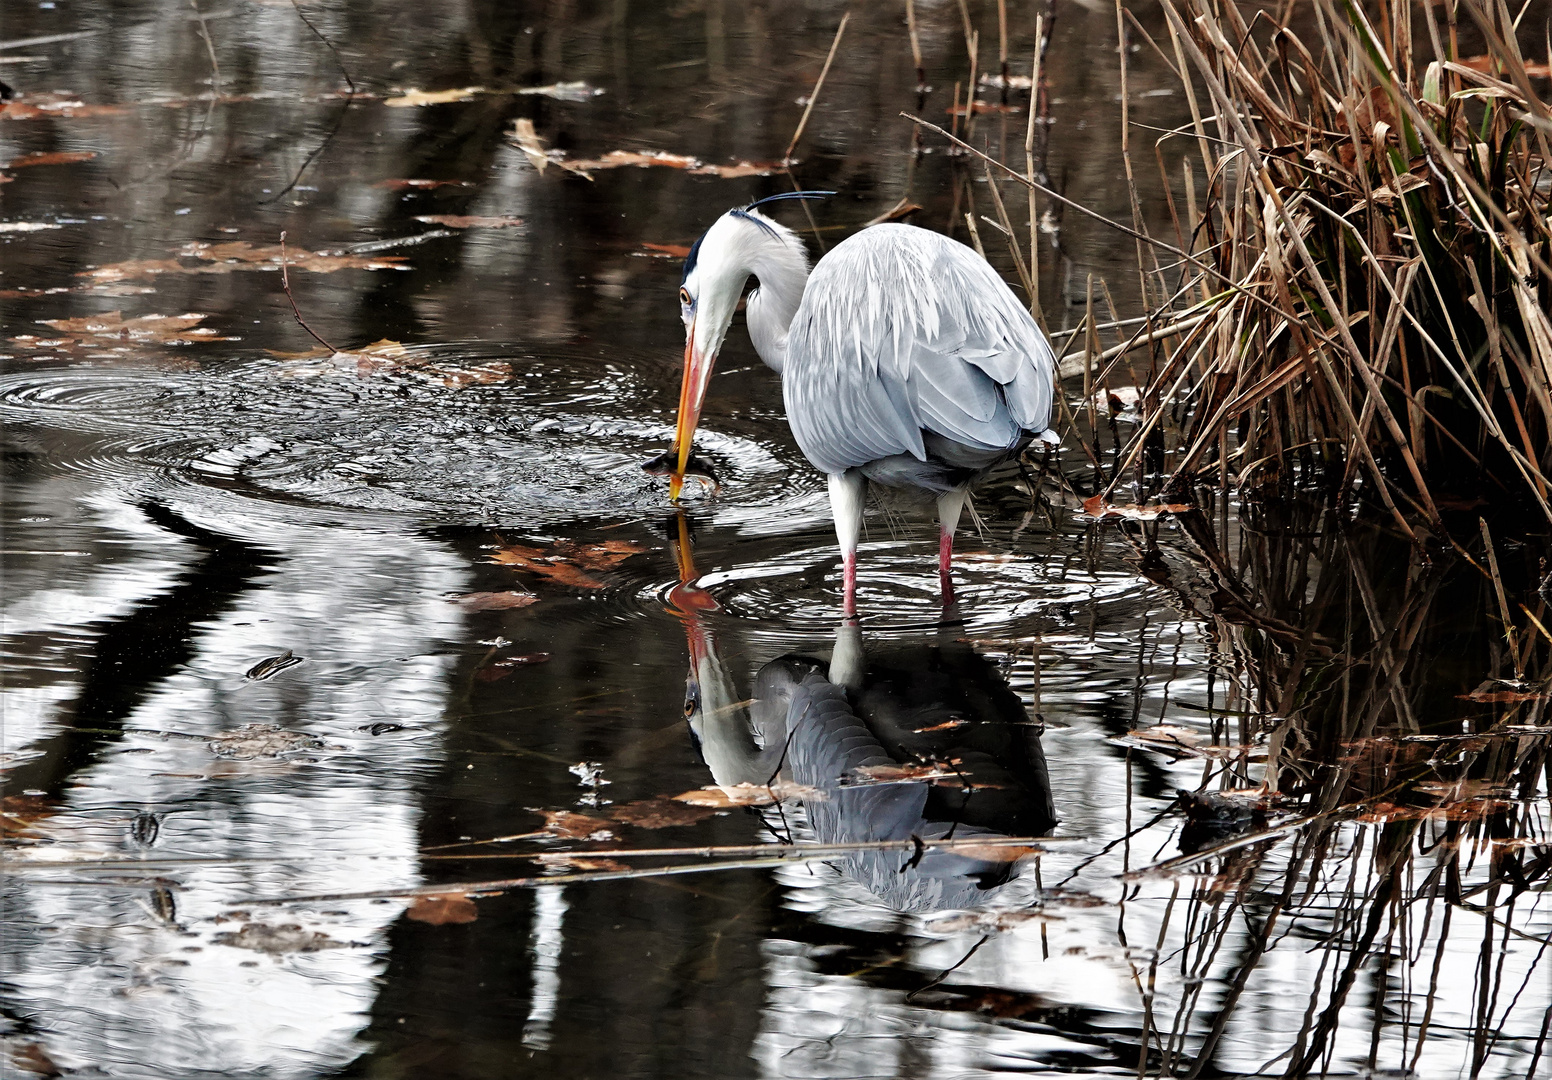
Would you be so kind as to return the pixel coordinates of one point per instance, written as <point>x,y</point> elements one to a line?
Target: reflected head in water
<point>905,361</point>
<point>922,740</point>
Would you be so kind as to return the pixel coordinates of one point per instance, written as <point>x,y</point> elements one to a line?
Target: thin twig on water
<point>285,283</point>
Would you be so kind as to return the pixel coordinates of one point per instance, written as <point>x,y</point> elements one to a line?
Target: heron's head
<point>715,271</point>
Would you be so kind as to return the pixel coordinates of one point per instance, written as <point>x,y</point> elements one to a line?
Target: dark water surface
<point>185,502</point>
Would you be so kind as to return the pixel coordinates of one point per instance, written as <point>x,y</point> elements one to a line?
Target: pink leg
<point>945,571</point>
<point>849,575</point>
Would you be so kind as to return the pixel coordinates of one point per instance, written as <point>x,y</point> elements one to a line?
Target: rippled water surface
<point>284,621</point>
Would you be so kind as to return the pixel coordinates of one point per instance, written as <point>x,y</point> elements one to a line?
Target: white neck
<point>782,269</point>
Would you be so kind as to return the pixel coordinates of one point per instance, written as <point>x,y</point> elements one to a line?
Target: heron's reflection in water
<point>834,727</point>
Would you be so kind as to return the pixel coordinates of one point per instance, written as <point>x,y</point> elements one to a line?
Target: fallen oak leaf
<point>443,909</point>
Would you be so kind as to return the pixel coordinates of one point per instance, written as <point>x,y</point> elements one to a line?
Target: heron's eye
<point>692,701</point>
<point>684,297</point>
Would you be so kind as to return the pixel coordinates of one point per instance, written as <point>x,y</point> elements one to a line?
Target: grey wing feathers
<point>903,331</point>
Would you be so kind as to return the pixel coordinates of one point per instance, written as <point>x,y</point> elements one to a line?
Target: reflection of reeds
<point>1406,772</point>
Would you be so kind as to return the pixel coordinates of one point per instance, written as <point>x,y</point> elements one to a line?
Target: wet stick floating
<point>786,856</point>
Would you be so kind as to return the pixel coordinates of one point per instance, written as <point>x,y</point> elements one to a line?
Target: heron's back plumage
<point>911,359</point>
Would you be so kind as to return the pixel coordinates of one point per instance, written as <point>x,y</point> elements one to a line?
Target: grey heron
<point>905,360</point>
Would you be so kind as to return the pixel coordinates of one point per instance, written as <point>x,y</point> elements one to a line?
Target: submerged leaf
<point>443,909</point>
<point>660,813</point>
<point>494,601</point>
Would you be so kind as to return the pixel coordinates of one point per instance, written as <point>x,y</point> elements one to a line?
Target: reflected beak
<point>692,394</point>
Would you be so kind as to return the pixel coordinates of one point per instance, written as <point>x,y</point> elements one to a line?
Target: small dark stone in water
<point>380,728</point>
<point>663,465</point>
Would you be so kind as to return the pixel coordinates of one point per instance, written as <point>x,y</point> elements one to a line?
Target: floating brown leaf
<point>566,562</point>
<point>529,143</point>
<point>494,601</point>
<point>565,860</point>
<point>569,825</point>
<point>54,106</point>
<point>233,255</point>
<point>443,909</point>
<point>728,796</point>
<point>114,329</point>
<point>467,221</point>
<point>618,159</point>
<point>413,98</point>
<point>1180,741</point>
<point>902,774</point>
<point>1488,695</point>
<point>947,725</point>
<point>420,185</point>
<point>1096,507</point>
<point>740,168</point>
<point>659,813</point>
<point>57,157</point>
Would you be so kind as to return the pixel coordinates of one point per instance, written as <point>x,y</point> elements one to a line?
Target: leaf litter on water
<point>568,562</point>
<point>233,255</point>
<point>415,98</point>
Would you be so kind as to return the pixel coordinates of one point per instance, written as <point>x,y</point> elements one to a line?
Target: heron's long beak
<point>692,395</point>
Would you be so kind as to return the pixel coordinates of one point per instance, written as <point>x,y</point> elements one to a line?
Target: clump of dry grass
<point>1368,262</point>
